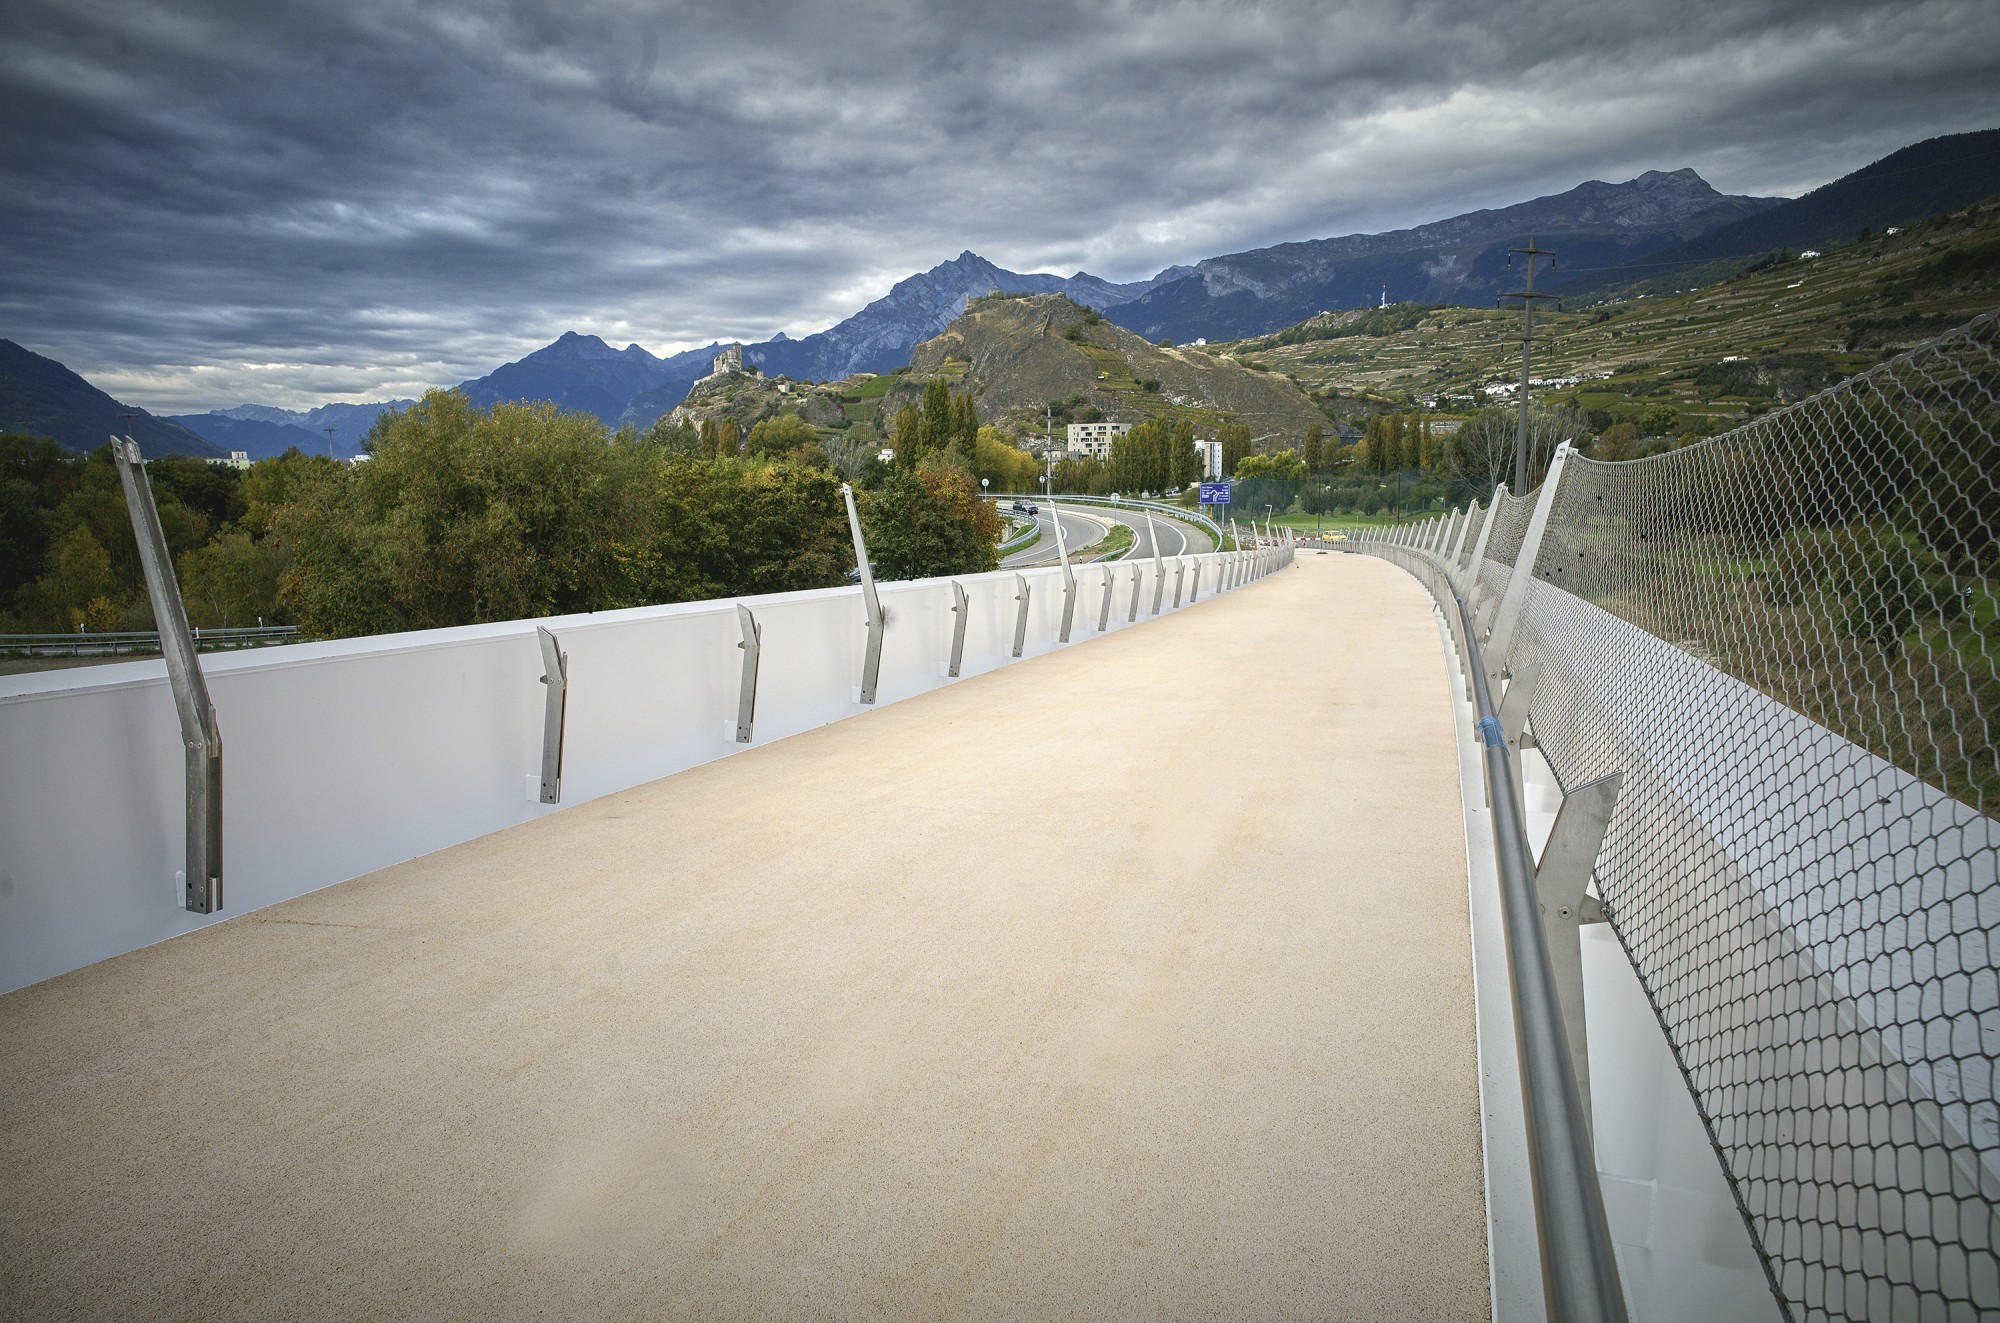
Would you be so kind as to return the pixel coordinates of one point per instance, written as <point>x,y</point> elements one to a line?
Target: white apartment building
<point>1094,439</point>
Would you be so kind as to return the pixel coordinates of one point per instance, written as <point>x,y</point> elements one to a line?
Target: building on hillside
<point>1094,439</point>
<point>728,361</point>
<point>238,459</point>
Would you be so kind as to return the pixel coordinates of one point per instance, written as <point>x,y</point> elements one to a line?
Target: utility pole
<point>1527,297</point>
<point>329,443</point>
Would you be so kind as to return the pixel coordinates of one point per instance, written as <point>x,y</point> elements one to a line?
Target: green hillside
<point>1714,355</point>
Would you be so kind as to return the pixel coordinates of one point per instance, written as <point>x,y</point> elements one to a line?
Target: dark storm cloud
<point>288,201</point>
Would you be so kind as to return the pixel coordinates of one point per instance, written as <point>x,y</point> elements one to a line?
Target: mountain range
<point>41,397</point>
<point>1927,179</point>
<point>1661,218</point>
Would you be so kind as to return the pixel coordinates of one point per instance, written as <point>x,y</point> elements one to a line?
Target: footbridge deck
<point>1132,982</point>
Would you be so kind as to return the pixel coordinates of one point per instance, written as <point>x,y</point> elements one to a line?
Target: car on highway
<point>1024,507</point>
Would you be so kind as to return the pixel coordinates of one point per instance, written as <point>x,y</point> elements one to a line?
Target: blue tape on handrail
<point>1491,733</point>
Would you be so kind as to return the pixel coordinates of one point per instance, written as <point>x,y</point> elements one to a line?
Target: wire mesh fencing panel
<point>1503,545</point>
<point>1785,637</point>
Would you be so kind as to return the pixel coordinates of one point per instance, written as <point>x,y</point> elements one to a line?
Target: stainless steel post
<point>1501,641</point>
<point>201,734</point>
<point>746,687</point>
<point>555,674</point>
<point>1021,616</point>
<point>871,664</point>
<point>1159,565</point>
<point>963,612</point>
<point>1069,578</point>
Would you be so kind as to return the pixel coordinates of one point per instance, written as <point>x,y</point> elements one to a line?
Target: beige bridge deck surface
<point>1132,982</point>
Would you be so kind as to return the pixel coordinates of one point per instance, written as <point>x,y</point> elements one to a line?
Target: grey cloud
<point>293,200</point>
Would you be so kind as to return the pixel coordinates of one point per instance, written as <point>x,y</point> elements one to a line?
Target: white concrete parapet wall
<point>343,757</point>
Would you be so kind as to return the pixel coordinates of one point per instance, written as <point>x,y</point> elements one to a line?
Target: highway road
<point>1079,529</point>
<point>1081,526</point>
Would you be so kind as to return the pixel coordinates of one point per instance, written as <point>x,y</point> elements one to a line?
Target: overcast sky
<point>209,202</point>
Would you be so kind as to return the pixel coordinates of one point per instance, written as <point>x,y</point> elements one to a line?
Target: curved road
<point>1078,530</point>
<point>1081,528</point>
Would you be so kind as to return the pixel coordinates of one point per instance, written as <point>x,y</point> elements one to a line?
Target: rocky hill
<point>749,396</point>
<point>881,336</point>
<point>1019,355</point>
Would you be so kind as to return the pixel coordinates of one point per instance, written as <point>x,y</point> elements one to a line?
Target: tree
<point>1659,420</point>
<point>1313,449</point>
<point>1235,438</point>
<point>231,581</point>
<point>465,516</point>
<point>1002,463</point>
<point>905,435</point>
<point>1368,457</point>
<point>77,591</point>
<point>930,521</point>
<point>1285,466</point>
<point>1480,454</point>
<point>780,435</point>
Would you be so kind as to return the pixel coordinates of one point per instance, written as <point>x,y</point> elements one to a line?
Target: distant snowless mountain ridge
<point>1461,259</point>
<point>1600,229</point>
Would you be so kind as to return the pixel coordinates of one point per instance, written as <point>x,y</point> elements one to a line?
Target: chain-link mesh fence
<point>1788,639</point>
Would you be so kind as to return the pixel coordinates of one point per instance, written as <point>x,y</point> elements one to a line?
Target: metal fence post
<point>1138,577</point>
<point>1501,640</point>
<point>555,674</point>
<point>1021,616</point>
<point>1159,565</point>
<point>746,688</point>
<point>963,612</point>
<point>1472,514</point>
<point>1475,568</point>
<point>201,734</point>
<point>1069,579</point>
<point>1180,577</point>
<point>1104,609</point>
<point>871,663</point>
<point>1567,862</point>
<point>1194,585</point>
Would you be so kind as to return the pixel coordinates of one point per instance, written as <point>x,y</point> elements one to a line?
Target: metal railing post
<point>1021,616</point>
<point>1159,565</point>
<point>1568,859</point>
<point>963,613</point>
<point>1138,577</point>
<point>1501,641</point>
<point>1475,568</point>
<point>871,662</point>
<point>1194,585</point>
<point>1180,579</point>
<point>201,733</point>
<point>1579,1265</point>
<point>746,687</point>
<point>1472,515</point>
<point>555,706</point>
<point>1104,609</point>
<point>1069,579</point>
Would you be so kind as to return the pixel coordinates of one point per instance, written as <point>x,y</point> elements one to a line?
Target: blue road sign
<point>1215,493</point>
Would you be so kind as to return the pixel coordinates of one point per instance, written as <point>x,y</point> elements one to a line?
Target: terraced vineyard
<point>1714,355</point>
